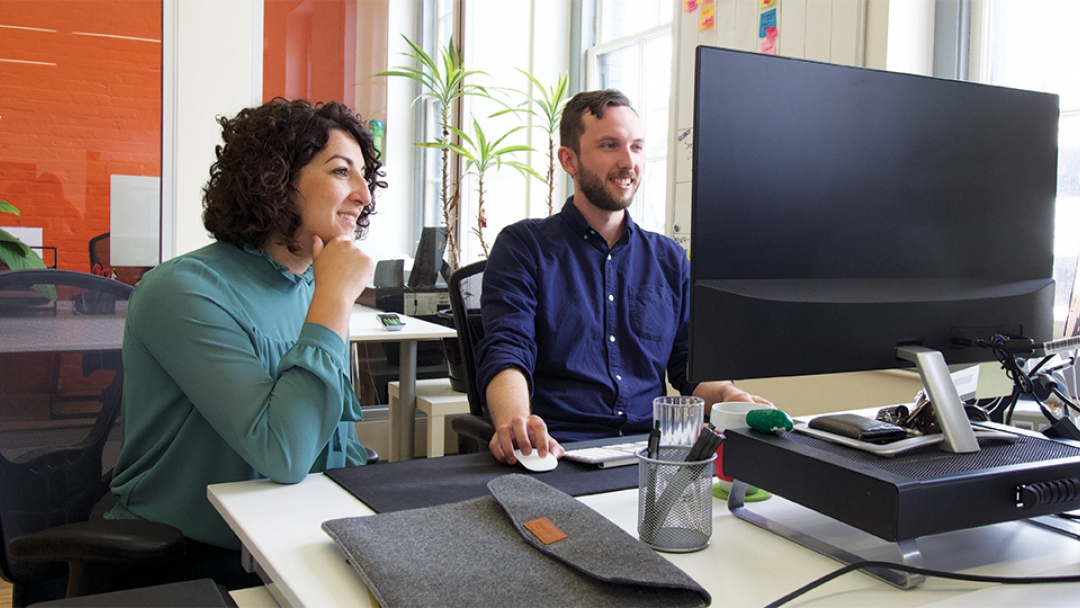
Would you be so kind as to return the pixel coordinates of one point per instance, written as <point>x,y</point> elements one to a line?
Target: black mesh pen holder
<point>674,500</point>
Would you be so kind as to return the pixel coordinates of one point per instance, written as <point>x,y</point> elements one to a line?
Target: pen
<point>707,443</point>
<point>654,440</point>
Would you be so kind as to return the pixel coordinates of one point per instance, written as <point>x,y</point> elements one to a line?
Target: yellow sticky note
<point>707,18</point>
<point>763,4</point>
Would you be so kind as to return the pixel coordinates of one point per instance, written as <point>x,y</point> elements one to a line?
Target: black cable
<point>974,578</point>
<point>1014,398</point>
<point>1050,417</point>
<point>1069,403</point>
<point>1035,370</point>
<point>1011,365</point>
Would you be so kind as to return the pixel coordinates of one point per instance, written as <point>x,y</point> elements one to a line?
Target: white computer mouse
<point>534,462</point>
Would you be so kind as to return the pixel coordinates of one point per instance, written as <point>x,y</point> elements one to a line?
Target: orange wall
<point>309,50</point>
<point>65,128</point>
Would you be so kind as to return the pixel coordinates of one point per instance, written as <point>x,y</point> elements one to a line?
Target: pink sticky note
<point>768,46</point>
<point>689,5</point>
<point>771,33</point>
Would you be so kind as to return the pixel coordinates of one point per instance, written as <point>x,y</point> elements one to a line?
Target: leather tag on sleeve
<point>545,530</point>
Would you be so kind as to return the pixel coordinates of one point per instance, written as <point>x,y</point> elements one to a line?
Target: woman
<point>235,355</point>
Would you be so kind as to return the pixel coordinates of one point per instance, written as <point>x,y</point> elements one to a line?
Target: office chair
<point>51,471</point>
<point>465,286</point>
<point>99,255</point>
<point>101,262</point>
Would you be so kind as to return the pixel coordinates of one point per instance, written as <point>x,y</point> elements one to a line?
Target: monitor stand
<point>958,438</point>
<point>905,551</point>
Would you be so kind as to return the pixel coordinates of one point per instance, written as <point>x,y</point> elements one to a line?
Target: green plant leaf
<point>6,207</point>
<point>526,169</point>
<point>17,255</point>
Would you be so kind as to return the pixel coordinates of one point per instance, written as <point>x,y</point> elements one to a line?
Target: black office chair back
<point>100,258</point>
<point>465,287</point>
<point>59,401</point>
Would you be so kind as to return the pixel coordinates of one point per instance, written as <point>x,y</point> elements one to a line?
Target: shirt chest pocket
<point>651,314</point>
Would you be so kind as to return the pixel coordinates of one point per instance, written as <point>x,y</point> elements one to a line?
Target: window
<point>1020,51</point>
<point>438,33</point>
<point>633,55</point>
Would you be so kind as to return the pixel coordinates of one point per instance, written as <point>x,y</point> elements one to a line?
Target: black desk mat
<point>426,482</point>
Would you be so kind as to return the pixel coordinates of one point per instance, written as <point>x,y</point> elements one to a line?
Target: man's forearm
<point>507,396</point>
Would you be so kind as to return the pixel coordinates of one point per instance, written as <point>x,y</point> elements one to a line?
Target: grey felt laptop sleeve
<point>479,553</point>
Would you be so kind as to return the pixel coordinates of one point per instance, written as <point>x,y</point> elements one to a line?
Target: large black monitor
<point>848,219</point>
<point>841,212</point>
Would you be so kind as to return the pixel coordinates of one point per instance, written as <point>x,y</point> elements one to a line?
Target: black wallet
<point>859,427</point>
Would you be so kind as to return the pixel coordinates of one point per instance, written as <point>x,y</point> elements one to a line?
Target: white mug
<point>730,415</point>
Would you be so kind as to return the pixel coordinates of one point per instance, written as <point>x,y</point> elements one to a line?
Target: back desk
<point>279,526</point>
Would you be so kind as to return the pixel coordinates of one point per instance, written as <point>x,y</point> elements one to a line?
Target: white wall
<point>392,234</point>
<point>911,37</point>
<point>822,30</point>
<point>212,52</point>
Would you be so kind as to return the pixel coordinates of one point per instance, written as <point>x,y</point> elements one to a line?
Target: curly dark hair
<point>250,197</point>
<point>571,125</point>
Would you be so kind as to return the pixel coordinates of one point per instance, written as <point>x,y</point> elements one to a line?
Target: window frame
<point>980,54</point>
<point>639,40</point>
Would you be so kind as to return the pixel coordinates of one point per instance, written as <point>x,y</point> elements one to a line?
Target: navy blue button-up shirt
<point>593,328</point>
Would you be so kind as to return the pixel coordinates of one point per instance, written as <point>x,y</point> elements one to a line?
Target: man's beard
<point>594,188</point>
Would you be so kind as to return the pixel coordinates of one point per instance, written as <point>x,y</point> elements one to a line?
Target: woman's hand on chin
<point>341,266</point>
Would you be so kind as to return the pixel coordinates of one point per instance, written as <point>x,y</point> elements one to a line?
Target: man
<point>584,311</point>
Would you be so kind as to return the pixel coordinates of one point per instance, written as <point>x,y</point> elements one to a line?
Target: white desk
<point>744,566</point>
<point>364,326</point>
<point>66,331</point>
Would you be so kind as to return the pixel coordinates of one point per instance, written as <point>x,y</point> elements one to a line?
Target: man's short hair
<point>594,102</point>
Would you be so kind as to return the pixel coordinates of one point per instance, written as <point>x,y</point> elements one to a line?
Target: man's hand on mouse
<point>526,433</point>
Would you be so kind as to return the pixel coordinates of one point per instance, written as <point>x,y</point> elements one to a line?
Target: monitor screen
<point>841,212</point>
<point>427,265</point>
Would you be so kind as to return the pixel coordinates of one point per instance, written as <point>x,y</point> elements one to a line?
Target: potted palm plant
<point>483,154</point>
<point>547,106</point>
<point>445,81</point>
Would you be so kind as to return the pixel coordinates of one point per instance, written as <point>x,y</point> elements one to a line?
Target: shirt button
<point>611,298</point>
<point>621,413</point>
<point>609,257</point>
<point>618,377</point>
<point>611,338</point>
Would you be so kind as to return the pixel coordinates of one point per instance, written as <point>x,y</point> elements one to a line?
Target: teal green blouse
<point>224,381</point>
